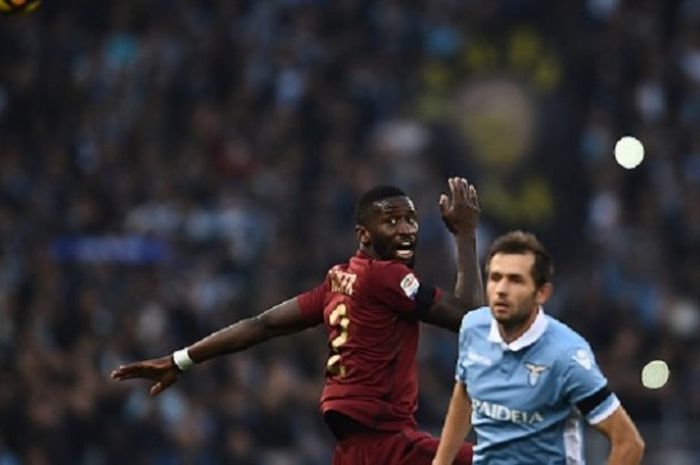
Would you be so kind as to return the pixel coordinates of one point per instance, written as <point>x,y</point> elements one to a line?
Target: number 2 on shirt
<point>340,321</point>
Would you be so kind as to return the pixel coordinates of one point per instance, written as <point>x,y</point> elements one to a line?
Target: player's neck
<point>511,332</point>
<point>369,251</point>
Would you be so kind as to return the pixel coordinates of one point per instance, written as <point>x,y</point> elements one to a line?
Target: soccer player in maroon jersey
<point>371,307</point>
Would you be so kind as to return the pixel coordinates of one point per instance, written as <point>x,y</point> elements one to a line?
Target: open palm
<point>161,370</point>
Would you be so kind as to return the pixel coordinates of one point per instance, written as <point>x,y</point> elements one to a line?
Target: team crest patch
<point>534,372</point>
<point>583,358</point>
<point>410,285</point>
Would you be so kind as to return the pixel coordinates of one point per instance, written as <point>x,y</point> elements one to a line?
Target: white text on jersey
<point>342,281</point>
<point>503,413</point>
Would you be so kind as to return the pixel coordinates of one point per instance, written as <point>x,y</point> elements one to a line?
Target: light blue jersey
<point>528,396</point>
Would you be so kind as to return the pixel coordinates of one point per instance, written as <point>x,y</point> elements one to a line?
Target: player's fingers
<point>443,202</point>
<point>451,185</point>
<point>471,190</point>
<point>460,190</point>
<point>123,372</point>
<point>156,389</point>
<point>473,195</point>
<point>162,385</point>
<point>464,187</point>
<point>450,196</point>
<point>134,370</point>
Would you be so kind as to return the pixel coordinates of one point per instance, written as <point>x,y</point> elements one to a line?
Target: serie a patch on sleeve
<point>410,285</point>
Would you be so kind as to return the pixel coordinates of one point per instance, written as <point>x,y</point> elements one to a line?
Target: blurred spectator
<point>169,167</point>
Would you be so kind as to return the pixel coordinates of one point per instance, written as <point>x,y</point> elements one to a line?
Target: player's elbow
<point>632,448</point>
<point>265,325</point>
<point>444,318</point>
<point>638,447</point>
<point>637,443</point>
<point>279,320</point>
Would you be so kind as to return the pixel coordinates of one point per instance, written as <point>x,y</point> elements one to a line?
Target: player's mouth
<point>500,306</point>
<point>405,250</point>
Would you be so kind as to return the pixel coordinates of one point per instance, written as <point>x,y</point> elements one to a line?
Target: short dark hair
<point>363,208</point>
<point>520,242</point>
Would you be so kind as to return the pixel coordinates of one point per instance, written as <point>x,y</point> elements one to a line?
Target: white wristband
<point>182,359</point>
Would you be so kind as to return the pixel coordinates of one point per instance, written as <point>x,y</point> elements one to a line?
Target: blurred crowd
<point>169,167</point>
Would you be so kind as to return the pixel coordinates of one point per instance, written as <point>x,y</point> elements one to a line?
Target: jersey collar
<point>529,337</point>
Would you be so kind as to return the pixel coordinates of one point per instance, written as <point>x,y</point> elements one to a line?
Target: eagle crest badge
<point>534,372</point>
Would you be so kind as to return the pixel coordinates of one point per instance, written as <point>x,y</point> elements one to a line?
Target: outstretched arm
<point>282,319</point>
<point>279,320</point>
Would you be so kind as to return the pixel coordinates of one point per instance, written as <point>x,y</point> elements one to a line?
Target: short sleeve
<point>311,303</point>
<point>396,286</point>
<point>582,380</point>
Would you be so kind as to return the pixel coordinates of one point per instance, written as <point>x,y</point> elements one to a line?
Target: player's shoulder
<point>563,333</point>
<point>389,272</point>
<point>478,318</point>
<point>567,341</point>
<point>377,277</point>
<point>336,269</point>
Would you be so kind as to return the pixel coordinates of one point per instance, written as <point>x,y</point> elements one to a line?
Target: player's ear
<point>363,236</point>
<point>544,293</point>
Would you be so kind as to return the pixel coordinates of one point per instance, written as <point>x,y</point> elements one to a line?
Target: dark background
<point>169,167</point>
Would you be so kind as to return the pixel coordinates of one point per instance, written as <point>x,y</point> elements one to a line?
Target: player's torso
<point>369,343</point>
<point>370,372</point>
<point>516,401</point>
<point>514,386</point>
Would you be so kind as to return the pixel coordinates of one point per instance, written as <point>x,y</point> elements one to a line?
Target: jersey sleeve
<point>311,303</point>
<point>397,287</point>
<point>584,385</point>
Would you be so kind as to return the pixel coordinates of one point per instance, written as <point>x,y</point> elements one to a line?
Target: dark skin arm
<point>282,319</point>
<point>460,212</point>
<point>446,313</point>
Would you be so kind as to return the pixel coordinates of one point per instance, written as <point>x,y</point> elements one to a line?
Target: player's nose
<point>406,227</point>
<point>502,287</point>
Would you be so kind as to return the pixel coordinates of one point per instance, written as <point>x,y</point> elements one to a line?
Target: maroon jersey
<point>369,308</point>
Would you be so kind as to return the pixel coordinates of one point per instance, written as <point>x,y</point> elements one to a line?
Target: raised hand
<point>460,210</point>
<point>161,370</point>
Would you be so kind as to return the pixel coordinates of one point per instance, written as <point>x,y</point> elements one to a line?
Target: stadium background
<point>168,167</point>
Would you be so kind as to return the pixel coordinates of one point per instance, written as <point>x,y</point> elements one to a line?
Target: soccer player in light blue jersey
<point>524,380</point>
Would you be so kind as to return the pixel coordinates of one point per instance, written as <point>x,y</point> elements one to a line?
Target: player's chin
<point>500,313</point>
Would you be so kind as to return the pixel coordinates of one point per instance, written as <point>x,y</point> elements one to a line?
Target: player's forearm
<point>233,338</point>
<point>279,320</point>
<point>469,283</point>
<point>457,425</point>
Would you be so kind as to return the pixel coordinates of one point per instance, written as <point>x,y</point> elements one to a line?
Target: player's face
<point>511,290</point>
<point>393,230</point>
